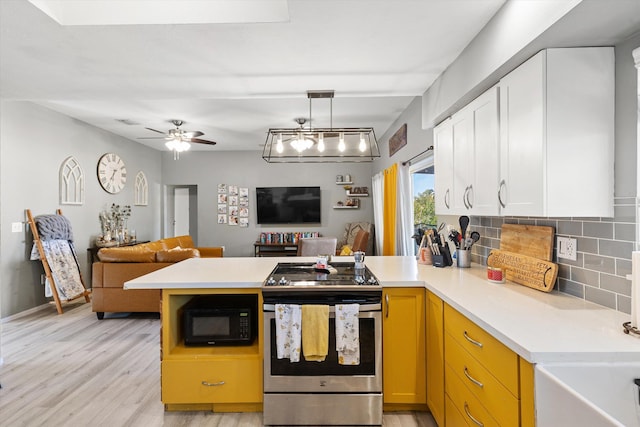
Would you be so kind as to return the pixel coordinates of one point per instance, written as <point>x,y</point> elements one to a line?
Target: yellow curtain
<point>389,210</point>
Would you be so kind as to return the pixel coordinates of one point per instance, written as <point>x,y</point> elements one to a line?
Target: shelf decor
<point>398,140</point>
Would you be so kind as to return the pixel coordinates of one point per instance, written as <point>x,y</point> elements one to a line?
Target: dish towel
<point>288,331</point>
<point>315,332</point>
<point>348,334</point>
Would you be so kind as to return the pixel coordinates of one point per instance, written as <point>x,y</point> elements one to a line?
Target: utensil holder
<point>463,258</point>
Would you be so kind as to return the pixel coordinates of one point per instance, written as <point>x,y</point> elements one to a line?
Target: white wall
<point>34,141</point>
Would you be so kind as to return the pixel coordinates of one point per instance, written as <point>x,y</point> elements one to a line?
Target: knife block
<point>444,259</point>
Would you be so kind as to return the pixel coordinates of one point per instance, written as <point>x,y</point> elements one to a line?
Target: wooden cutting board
<point>532,240</point>
<point>525,270</point>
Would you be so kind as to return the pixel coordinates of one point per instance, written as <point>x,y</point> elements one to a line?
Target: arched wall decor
<point>71,182</point>
<point>141,190</point>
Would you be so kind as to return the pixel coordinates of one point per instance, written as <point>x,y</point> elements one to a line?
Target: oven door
<point>281,375</point>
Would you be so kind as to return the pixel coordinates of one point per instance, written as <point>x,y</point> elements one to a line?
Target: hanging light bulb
<point>321,142</point>
<point>363,145</point>
<point>341,145</point>
<point>279,146</point>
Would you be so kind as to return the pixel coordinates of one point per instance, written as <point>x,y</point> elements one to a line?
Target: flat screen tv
<point>288,205</point>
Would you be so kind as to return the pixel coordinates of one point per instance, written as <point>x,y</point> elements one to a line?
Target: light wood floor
<point>74,370</point>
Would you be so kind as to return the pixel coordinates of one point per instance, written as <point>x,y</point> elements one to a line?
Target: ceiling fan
<point>178,139</point>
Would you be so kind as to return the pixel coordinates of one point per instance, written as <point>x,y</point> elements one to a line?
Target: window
<point>422,189</point>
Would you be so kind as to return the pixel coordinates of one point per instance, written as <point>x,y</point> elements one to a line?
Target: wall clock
<point>112,173</point>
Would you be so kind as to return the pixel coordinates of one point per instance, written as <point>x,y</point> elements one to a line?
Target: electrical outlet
<point>567,248</point>
<point>16,227</point>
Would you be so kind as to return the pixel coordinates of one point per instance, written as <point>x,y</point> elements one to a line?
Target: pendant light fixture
<point>320,145</point>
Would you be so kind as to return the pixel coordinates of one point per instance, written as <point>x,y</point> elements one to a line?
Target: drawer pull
<point>473,380</point>
<point>466,410</point>
<point>471,340</point>
<point>208,384</point>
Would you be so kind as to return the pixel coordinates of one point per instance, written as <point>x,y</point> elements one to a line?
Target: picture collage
<point>233,205</point>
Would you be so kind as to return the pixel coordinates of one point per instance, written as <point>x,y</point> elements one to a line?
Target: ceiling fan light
<point>341,145</point>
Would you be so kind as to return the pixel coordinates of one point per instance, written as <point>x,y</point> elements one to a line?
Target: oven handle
<point>332,309</point>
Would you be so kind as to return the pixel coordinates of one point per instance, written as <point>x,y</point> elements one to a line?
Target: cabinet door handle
<point>386,300</point>
<point>500,187</point>
<point>473,380</point>
<point>464,197</point>
<point>471,340</point>
<point>470,197</point>
<point>208,384</point>
<point>446,199</point>
<point>471,417</point>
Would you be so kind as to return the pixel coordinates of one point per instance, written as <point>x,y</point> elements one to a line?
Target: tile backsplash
<point>604,247</point>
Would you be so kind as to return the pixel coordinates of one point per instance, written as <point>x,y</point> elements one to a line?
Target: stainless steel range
<point>327,392</point>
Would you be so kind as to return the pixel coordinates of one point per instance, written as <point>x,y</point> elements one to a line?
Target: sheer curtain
<point>404,221</point>
<point>377,194</point>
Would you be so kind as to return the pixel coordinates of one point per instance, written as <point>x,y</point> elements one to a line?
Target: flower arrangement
<point>114,225</point>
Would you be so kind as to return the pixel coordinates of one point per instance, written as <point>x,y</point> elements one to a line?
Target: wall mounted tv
<point>288,205</point>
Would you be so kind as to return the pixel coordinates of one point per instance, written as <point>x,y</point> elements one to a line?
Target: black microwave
<point>210,325</point>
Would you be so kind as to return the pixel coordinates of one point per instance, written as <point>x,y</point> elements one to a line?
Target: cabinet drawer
<point>470,408</point>
<point>491,353</point>
<point>454,417</point>
<point>495,397</point>
<point>216,381</point>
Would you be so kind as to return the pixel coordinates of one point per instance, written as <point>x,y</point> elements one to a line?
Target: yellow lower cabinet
<point>454,417</point>
<point>219,381</point>
<point>495,356</point>
<point>527,399</point>
<point>403,336</point>
<point>499,402</point>
<point>435,358</point>
<point>472,410</point>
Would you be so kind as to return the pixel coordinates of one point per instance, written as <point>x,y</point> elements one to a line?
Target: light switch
<point>16,227</point>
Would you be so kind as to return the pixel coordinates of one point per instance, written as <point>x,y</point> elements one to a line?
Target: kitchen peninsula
<point>529,327</point>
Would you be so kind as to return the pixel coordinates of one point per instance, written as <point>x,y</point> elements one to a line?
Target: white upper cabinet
<point>443,167</point>
<point>466,159</point>
<point>557,134</point>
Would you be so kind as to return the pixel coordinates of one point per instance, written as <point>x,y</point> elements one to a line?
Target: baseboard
<point>27,312</point>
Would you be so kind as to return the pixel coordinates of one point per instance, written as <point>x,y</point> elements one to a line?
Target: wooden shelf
<point>346,207</point>
<point>344,183</point>
<point>275,249</point>
<point>350,194</point>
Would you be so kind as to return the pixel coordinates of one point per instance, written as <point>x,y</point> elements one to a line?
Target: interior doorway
<point>182,211</point>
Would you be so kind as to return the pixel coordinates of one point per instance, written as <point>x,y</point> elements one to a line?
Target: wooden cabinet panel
<point>495,356</point>
<point>454,417</point>
<point>435,358</point>
<point>403,336</point>
<point>220,381</point>
<point>499,402</point>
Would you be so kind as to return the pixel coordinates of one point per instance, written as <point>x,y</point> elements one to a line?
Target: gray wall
<point>247,169</point>
<point>34,141</point>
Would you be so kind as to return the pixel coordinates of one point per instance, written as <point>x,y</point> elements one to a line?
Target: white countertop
<point>540,327</point>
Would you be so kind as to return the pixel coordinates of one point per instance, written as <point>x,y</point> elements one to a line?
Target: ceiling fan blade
<point>153,130</point>
<point>193,134</point>
<point>202,141</point>
<point>152,137</point>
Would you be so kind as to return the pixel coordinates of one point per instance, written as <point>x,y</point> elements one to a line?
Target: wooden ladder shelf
<point>47,268</point>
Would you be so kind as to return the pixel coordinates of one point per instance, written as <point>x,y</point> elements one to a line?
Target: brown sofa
<point>120,264</point>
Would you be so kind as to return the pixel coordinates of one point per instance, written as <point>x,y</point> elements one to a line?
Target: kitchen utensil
<point>358,257</point>
<point>475,236</point>
<point>468,242</point>
<point>531,240</point>
<point>464,223</point>
<point>525,270</point>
